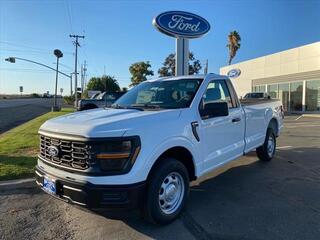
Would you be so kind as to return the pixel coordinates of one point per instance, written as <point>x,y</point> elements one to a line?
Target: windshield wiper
<point>146,105</point>
<point>117,106</point>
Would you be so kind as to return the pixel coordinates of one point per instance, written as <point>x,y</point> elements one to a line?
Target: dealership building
<point>293,76</point>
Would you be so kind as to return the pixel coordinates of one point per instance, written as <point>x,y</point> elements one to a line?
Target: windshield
<point>94,96</point>
<point>165,94</point>
<point>100,96</point>
<point>254,95</point>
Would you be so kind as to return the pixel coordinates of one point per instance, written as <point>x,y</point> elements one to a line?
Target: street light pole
<point>13,60</point>
<point>55,91</point>
<point>58,54</point>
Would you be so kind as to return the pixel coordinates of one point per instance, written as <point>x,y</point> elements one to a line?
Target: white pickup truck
<point>145,149</point>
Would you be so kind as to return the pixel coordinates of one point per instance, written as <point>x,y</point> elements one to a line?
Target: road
<point>247,199</point>
<point>14,112</point>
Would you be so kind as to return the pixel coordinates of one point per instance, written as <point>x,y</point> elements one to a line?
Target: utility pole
<point>84,73</point>
<point>206,67</point>
<point>76,43</point>
<point>71,84</point>
<point>82,78</point>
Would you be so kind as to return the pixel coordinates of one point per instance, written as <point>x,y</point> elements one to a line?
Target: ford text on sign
<point>181,24</point>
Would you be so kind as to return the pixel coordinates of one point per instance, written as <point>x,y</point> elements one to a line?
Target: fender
<point>170,143</point>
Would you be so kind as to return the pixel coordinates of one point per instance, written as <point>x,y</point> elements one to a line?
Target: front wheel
<point>268,149</point>
<point>168,189</point>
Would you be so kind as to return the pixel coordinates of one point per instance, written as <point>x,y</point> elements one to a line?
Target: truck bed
<point>252,101</point>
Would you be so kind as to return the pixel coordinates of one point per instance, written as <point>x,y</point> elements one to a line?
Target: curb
<point>311,115</point>
<point>16,182</point>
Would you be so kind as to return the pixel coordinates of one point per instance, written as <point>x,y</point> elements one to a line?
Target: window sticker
<point>145,96</point>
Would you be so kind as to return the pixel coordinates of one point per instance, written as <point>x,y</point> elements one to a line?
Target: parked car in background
<point>47,95</point>
<point>145,149</point>
<point>257,95</point>
<point>104,99</point>
<point>93,93</point>
<point>94,96</point>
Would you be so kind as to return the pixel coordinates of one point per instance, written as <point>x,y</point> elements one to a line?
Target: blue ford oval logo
<point>181,24</point>
<point>233,73</point>
<point>53,151</point>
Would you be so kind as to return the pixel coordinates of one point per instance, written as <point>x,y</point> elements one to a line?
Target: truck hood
<point>106,122</point>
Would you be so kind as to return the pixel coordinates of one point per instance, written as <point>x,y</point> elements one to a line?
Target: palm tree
<point>233,45</point>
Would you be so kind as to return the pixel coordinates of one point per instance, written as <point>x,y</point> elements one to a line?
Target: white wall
<point>297,60</point>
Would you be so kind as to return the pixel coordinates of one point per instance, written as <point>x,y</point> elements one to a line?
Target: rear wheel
<point>168,189</point>
<point>268,149</point>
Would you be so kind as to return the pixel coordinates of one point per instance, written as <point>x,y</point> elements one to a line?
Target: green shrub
<point>35,95</point>
<point>69,99</point>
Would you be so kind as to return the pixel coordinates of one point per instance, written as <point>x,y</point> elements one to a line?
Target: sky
<point>119,33</point>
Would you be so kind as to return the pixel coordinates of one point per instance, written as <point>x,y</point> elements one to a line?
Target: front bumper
<point>95,196</point>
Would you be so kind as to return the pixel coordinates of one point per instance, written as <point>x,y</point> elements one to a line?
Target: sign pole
<point>182,57</point>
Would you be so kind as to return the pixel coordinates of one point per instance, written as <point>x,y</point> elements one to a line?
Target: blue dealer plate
<point>49,185</point>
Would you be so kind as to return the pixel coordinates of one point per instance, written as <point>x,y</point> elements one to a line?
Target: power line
<point>34,49</point>
<point>31,51</point>
<point>20,45</point>
<point>25,70</point>
<point>65,66</point>
<point>69,14</point>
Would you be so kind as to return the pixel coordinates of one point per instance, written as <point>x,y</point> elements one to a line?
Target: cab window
<point>217,91</point>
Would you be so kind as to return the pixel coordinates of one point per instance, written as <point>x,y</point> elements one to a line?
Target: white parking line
<point>15,182</point>
<point>311,125</point>
<point>299,117</point>
<point>284,147</point>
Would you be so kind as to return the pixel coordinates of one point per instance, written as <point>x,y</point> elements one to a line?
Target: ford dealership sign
<point>181,24</point>
<point>234,73</point>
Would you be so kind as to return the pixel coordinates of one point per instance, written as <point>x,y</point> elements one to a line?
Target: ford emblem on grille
<point>53,151</point>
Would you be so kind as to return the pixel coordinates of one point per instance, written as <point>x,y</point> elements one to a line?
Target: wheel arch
<point>273,124</point>
<point>181,154</point>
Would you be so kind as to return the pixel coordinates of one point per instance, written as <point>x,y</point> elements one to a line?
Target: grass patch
<point>19,147</point>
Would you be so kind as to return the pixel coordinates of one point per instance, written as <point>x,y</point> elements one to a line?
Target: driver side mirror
<point>214,109</point>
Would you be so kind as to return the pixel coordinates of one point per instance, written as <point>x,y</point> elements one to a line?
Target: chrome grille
<point>71,154</point>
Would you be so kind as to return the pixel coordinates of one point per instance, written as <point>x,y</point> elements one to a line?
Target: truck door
<point>222,138</point>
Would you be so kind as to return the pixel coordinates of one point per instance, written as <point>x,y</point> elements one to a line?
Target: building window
<point>259,88</point>
<point>313,95</point>
<point>254,89</point>
<point>283,95</point>
<point>296,89</point>
<point>273,90</point>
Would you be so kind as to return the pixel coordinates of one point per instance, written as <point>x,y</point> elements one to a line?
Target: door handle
<point>194,126</point>
<point>236,120</point>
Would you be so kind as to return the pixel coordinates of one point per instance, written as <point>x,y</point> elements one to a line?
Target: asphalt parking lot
<point>247,200</point>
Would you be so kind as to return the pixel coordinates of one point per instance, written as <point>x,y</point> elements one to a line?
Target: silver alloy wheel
<point>171,193</point>
<point>270,146</point>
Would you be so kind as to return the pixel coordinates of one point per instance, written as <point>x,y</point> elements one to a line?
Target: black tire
<point>153,209</point>
<point>266,151</point>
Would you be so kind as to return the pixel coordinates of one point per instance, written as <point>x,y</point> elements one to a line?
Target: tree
<point>104,83</point>
<point>124,89</point>
<point>233,44</point>
<point>139,72</point>
<point>169,65</point>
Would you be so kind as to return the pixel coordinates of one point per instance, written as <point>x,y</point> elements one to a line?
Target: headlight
<point>117,155</point>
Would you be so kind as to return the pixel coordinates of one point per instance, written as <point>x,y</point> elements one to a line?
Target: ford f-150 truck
<point>145,149</point>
